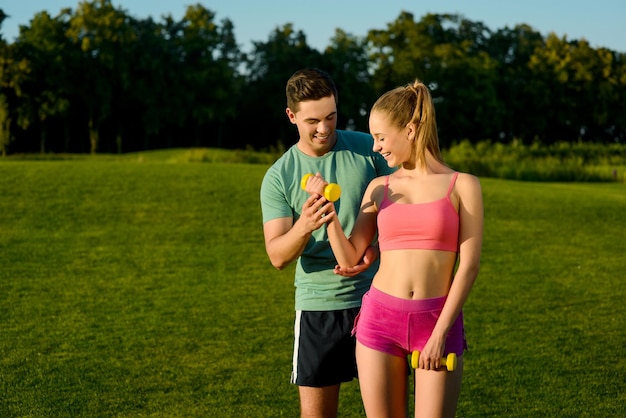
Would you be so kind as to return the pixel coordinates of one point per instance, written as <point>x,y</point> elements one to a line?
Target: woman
<point>428,217</point>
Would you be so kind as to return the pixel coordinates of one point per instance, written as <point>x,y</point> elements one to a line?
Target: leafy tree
<point>151,100</point>
<point>447,53</point>
<point>209,58</point>
<point>3,16</point>
<point>615,127</point>
<point>348,63</point>
<point>399,54</point>
<point>518,90</point>
<point>97,79</point>
<point>267,70</point>
<point>464,94</point>
<point>5,125</point>
<point>103,33</point>
<point>43,88</point>
<point>5,115</point>
<point>566,68</point>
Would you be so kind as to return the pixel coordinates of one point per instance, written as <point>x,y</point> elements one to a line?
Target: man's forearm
<point>285,249</point>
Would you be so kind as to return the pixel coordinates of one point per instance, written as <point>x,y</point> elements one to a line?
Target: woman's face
<point>393,143</point>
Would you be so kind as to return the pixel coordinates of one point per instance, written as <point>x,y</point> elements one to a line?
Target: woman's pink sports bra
<point>428,226</point>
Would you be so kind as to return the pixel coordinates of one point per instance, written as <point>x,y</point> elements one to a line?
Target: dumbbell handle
<point>331,191</point>
<point>449,362</point>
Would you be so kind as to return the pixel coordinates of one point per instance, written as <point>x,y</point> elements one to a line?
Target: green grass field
<point>139,286</point>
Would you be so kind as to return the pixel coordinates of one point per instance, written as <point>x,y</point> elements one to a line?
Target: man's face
<point>316,121</point>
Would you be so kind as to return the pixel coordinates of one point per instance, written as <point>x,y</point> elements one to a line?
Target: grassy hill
<point>139,286</point>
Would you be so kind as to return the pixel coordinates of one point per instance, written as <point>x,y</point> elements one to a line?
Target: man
<point>327,299</point>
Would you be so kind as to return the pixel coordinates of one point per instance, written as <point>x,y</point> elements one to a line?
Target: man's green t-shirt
<point>352,164</point>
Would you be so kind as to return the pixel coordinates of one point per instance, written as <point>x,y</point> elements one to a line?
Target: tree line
<point>96,79</point>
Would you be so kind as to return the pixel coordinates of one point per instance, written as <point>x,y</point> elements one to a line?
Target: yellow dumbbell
<point>331,191</point>
<point>448,362</point>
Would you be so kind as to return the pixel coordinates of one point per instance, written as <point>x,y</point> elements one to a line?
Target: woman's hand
<point>430,356</point>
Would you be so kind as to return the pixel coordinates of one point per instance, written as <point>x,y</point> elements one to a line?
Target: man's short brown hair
<point>309,84</point>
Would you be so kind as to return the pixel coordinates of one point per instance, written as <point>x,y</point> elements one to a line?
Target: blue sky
<point>601,22</point>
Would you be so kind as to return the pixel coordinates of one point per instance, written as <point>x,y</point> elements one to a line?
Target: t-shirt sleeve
<point>273,199</point>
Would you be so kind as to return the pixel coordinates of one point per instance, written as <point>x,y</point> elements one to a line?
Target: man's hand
<point>371,254</point>
<point>316,212</point>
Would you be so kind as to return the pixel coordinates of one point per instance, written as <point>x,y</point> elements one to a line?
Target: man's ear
<point>291,116</point>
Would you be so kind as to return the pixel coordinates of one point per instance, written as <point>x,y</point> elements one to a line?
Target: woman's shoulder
<point>467,185</point>
<point>376,189</point>
<point>467,179</point>
<point>379,181</point>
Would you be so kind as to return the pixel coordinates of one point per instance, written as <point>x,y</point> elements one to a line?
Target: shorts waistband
<point>406,305</point>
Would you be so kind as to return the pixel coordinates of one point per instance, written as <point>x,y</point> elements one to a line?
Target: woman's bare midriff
<point>415,274</point>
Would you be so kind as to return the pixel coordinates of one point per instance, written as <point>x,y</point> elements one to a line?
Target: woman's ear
<point>411,131</point>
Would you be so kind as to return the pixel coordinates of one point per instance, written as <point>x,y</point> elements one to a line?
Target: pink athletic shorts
<point>399,326</point>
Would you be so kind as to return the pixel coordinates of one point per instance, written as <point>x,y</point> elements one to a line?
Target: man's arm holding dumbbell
<point>285,239</point>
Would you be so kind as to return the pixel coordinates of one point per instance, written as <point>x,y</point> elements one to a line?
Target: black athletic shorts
<point>323,353</point>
